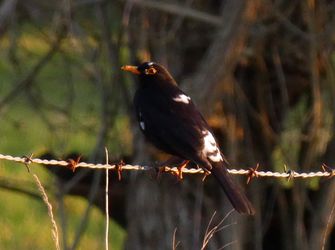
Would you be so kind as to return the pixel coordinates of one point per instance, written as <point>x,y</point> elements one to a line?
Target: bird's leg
<point>161,166</point>
<point>172,161</point>
<point>206,173</point>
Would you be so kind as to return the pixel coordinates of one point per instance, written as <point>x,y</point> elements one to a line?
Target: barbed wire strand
<point>250,172</point>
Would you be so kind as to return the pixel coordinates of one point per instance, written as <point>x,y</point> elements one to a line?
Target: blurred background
<point>262,72</point>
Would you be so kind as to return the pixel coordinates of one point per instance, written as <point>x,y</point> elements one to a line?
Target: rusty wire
<point>250,172</point>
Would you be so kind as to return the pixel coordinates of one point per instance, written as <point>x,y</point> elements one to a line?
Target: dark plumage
<point>169,119</point>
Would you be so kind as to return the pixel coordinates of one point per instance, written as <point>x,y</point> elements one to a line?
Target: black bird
<point>170,120</point>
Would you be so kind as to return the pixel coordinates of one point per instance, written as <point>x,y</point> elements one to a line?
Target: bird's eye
<point>151,71</point>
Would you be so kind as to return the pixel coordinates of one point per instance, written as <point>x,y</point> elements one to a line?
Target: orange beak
<point>132,69</point>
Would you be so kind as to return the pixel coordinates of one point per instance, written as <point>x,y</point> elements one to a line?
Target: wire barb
<point>118,168</point>
<point>328,169</point>
<point>250,172</point>
<point>27,161</point>
<point>73,163</point>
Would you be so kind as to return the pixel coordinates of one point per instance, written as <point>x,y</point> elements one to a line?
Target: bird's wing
<point>171,122</point>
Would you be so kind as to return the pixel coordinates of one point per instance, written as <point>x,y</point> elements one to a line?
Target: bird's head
<point>150,71</point>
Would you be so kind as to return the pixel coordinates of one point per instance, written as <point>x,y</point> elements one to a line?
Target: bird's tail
<point>233,191</point>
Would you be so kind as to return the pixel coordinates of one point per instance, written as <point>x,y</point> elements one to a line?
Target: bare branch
<point>179,10</point>
<point>29,78</point>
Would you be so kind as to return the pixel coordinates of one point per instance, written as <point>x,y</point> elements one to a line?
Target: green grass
<point>25,223</point>
<point>64,84</point>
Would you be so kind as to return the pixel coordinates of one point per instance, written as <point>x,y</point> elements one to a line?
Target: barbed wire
<point>250,172</point>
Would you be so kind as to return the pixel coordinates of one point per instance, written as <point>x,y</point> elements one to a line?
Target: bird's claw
<point>206,173</point>
<point>179,172</point>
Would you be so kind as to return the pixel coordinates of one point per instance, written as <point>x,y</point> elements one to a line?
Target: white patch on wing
<point>142,124</point>
<point>150,63</point>
<point>182,98</point>
<point>210,148</point>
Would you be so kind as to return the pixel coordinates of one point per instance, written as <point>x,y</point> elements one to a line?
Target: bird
<point>170,120</point>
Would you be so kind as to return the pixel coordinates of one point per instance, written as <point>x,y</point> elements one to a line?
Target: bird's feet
<point>180,167</point>
<point>206,173</point>
<point>173,161</point>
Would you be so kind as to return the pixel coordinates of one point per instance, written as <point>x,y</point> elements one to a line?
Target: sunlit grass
<point>61,115</point>
<point>25,223</point>
<point>95,234</point>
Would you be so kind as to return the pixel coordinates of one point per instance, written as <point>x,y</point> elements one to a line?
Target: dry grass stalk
<point>55,235</point>
<point>218,227</point>
<point>174,243</point>
<point>327,228</point>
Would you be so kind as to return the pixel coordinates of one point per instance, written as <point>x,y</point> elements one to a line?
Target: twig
<point>179,10</point>
<point>328,227</point>
<point>6,11</point>
<point>174,243</point>
<point>107,209</point>
<point>29,78</point>
<point>228,244</point>
<point>218,227</point>
<point>12,185</point>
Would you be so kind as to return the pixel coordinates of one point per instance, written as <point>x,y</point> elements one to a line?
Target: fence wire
<point>250,172</point>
